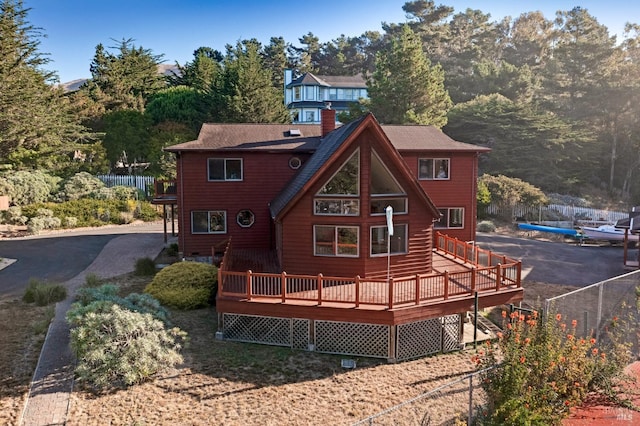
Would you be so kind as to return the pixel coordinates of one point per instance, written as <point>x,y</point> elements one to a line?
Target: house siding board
<point>459,191</point>
<point>263,175</point>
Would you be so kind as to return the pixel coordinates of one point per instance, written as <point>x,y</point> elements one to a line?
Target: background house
<point>306,95</point>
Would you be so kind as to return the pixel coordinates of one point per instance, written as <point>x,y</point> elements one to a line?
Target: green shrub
<point>116,346</point>
<point>81,185</point>
<point>14,216</point>
<point>39,223</point>
<point>29,187</point>
<point>172,250</point>
<point>185,285</point>
<point>43,293</point>
<point>145,267</point>
<point>486,226</point>
<point>145,211</point>
<point>542,368</point>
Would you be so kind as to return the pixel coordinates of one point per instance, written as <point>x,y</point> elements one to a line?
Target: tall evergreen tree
<point>37,125</point>
<point>199,73</point>
<point>405,88</point>
<point>124,80</point>
<point>245,93</point>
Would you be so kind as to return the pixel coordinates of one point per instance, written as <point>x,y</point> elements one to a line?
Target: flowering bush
<point>542,369</point>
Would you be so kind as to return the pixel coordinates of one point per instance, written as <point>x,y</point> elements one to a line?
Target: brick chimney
<point>327,120</point>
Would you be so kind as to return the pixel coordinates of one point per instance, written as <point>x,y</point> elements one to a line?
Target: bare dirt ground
<point>232,383</point>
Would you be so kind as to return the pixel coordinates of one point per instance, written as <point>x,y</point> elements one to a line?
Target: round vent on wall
<point>295,163</point>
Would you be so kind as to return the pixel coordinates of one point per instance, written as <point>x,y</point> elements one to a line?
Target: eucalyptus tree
<point>38,128</point>
<point>405,87</point>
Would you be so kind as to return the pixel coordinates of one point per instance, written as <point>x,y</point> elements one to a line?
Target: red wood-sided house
<point>298,215</point>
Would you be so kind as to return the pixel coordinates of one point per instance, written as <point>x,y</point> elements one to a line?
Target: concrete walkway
<point>48,400</point>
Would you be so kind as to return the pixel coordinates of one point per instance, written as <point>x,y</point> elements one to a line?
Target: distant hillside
<point>73,85</point>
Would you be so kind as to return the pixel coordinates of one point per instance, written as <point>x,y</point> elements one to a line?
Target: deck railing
<point>164,188</point>
<point>487,272</point>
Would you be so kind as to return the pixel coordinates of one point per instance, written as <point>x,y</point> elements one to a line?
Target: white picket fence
<point>144,183</point>
<point>560,211</point>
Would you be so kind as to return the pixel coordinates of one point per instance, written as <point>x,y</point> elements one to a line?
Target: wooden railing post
<point>390,284</point>
<point>519,274</point>
<point>319,289</point>
<point>357,290</point>
<point>220,281</point>
<point>249,280</point>
<point>283,286</point>
<point>498,276</point>
<point>446,285</point>
<point>417,289</point>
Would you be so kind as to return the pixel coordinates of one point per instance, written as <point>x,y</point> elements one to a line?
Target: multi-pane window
<point>297,93</point>
<point>452,217</point>
<point>396,245</point>
<point>209,222</point>
<point>335,240</point>
<point>433,168</point>
<point>309,116</point>
<point>340,194</point>
<point>222,169</point>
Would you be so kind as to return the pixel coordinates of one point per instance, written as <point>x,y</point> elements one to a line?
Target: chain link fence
<point>457,402</point>
<point>449,404</point>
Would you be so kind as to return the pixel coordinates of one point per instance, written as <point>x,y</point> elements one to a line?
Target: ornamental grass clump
<point>541,368</point>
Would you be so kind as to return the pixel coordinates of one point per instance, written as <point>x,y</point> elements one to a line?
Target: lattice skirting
<point>400,342</point>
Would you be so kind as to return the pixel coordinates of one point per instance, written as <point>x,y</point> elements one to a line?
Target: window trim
<point>209,231</point>
<point>335,251</point>
<point>434,161</point>
<point>225,159</point>
<point>238,218</point>
<point>384,227</point>
<point>384,200</point>
<point>344,204</point>
<point>436,224</point>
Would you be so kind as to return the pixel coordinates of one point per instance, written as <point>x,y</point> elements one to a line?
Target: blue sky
<point>176,28</point>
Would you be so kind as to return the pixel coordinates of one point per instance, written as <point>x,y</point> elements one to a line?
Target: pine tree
<point>37,125</point>
<point>405,88</point>
<point>245,93</point>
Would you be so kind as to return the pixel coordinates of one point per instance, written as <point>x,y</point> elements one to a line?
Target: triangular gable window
<point>385,189</point>
<point>340,195</point>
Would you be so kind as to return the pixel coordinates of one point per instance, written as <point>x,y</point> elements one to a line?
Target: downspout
<point>181,212</point>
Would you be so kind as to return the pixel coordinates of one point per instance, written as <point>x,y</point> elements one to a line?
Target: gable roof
<point>419,138</point>
<point>329,147</point>
<point>309,79</point>
<point>326,149</point>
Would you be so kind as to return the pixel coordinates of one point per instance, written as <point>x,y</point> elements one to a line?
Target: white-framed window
<point>224,169</point>
<point>309,93</point>
<point>309,116</point>
<point>397,244</point>
<point>434,168</point>
<point>337,207</point>
<point>297,93</point>
<point>340,194</point>
<point>209,222</point>
<point>245,218</point>
<point>340,241</point>
<point>452,218</point>
<point>385,189</point>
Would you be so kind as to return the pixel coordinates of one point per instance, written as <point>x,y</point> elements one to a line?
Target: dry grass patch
<point>22,332</point>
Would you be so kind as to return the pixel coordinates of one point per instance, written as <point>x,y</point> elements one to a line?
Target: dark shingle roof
<point>252,137</point>
<point>325,150</point>
<point>418,138</point>
<point>309,79</point>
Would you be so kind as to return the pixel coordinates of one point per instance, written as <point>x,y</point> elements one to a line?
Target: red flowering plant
<point>542,369</point>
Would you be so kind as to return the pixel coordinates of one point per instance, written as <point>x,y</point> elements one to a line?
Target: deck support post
<point>249,284</point>
<point>391,358</point>
<point>319,289</point>
<point>357,291</point>
<point>417,289</point>
<point>498,276</point>
<point>390,284</point>
<point>474,274</point>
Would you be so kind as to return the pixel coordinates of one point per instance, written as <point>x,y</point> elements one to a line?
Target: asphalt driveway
<point>57,257</point>
<point>558,262</point>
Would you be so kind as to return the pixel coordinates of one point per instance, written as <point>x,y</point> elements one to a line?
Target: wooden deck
<point>460,271</point>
